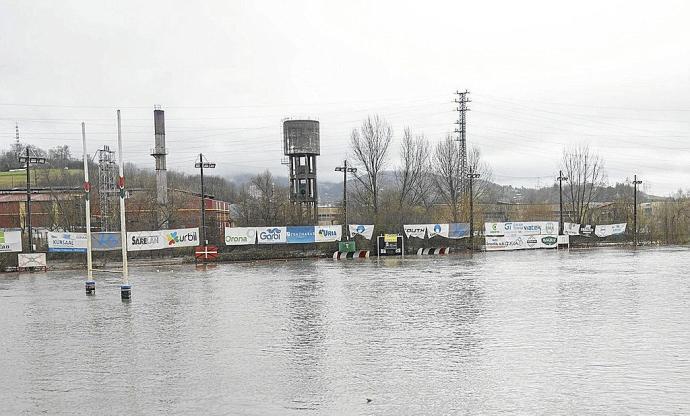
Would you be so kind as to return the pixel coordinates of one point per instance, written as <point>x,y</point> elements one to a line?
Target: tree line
<point>419,182</point>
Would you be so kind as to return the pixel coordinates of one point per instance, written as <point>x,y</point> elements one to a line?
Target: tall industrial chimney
<point>159,153</point>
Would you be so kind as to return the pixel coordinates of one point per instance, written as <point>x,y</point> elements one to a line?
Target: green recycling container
<point>347,246</point>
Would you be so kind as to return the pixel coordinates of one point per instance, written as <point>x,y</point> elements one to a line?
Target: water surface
<point>601,331</point>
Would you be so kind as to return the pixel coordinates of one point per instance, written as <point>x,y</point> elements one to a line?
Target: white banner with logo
<point>328,233</point>
<point>32,260</point>
<point>570,228</point>
<point>415,230</point>
<point>610,229</point>
<point>271,235</point>
<point>521,242</point>
<point>366,231</point>
<point>67,242</point>
<point>521,228</point>
<point>437,229</point>
<point>160,239</point>
<point>240,236</point>
<point>10,241</point>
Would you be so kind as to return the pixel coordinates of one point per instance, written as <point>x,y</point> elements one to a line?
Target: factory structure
<point>159,208</point>
<point>301,146</point>
<point>159,153</point>
<point>62,208</point>
<point>165,207</point>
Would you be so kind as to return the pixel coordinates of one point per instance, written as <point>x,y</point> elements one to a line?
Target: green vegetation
<point>39,176</point>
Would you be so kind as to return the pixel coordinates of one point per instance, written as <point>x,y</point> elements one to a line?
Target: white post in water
<point>90,283</point>
<point>125,288</point>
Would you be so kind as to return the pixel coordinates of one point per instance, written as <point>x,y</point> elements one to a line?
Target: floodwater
<point>603,331</point>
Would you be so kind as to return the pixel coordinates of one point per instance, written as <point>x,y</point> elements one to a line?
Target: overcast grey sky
<point>542,74</point>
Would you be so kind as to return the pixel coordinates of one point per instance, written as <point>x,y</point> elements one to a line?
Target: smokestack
<point>159,153</point>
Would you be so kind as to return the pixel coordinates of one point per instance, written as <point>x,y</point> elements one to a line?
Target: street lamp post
<point>560,179</point>
<point>635,183</point>
<point>201,165</point>
<point>345,169</point>
<point>36,161</point>
<point>472,176</point>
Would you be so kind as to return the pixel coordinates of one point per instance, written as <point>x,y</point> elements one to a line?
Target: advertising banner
<point>437,229</point>
<point>106,241</point>
<point>67,242</point>
<point>26,260</point>
<point>328,233</point>
<point>586,230</point>
<point>10,241</point>
<point>570,228</point>
<point>521,228</point>
<point>366,231</point>
<point>458,230</point>
<point>300,234</point>
<point>76,242</point>
<point>389,244</point>
<point>145,240</point>
<point>521,242</point>
<point>271,235</point>
<point>161,239</point>
<point>240,236</point>
<point>415,230</point>
<point>494,228</point>
<point>610,229</point>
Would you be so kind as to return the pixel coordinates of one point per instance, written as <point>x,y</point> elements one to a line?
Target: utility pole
<point>345,170</point>
<point>472,176</point>
<point>635,183</point>
<point>462,110</point>
<point>201,165</point>
<point>36,161</point>
<point>560,179</point>
<point>125,287</point>
<point>90,284</point>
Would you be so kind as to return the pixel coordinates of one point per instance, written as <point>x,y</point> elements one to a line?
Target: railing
<point>158,151</point>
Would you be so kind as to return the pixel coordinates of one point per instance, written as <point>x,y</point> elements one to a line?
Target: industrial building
<point>50,210</point>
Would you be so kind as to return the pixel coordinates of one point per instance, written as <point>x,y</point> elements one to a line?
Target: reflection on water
<point>305,336</point>
<point>579,332</point>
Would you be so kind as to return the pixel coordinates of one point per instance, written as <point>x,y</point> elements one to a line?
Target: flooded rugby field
<point>602,331</point>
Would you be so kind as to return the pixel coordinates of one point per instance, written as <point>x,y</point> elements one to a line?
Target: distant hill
<point>549,194</point>
<point>329,192</point>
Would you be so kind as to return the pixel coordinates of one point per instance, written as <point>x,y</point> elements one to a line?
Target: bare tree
<point>447,174</point>
<point>414,157</point>
<point>426,192</point>
<point>244,206</point>
<point>480,187</point>
<point>370,145</point>
<point>263,191</point>
<point>670,222</point>
<point>586,177</point>
<point>60,156</point>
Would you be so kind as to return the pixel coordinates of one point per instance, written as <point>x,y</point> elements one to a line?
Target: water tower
<point>301,146</point>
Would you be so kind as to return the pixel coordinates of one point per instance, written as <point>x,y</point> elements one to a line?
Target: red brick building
<point>64,210</point>
<point>49,210</point>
